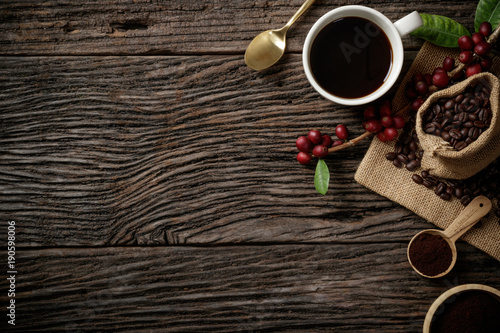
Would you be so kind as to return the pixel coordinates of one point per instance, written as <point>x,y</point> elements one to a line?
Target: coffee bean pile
<point>486,182</point>
<point>460,120</point>
<point>407,150</point>
<point>408,153</point>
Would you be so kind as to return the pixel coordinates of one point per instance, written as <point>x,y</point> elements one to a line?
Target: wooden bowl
<point>465,287</point>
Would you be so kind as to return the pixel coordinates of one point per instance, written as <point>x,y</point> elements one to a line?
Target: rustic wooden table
<point>152,177</point>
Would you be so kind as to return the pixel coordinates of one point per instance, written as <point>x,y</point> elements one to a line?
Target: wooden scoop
<point>474,211</point>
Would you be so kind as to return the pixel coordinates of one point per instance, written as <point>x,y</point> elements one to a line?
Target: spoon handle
<point>299,12</point>
<point>474,211</point>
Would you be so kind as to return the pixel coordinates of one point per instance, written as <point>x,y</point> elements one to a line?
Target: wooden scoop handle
<point>474,211</point>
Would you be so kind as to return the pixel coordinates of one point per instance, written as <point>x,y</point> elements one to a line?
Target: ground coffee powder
<point>472,311</point>
<point>430,254</point>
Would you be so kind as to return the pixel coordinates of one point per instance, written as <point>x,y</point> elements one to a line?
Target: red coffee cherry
<point>486,63</point>
<point>465,43</point>
<point>448,64</point>
<point>416,104</point>
<point>315,136</point>
<point>337,143</point>
<point>485,29</point>
<point>341,132</point>
<point>385,110</point>
<point>438,70</point>
<point>326,140</point>
<point>398,122</point>
<point>369,112</point>
<point>373,125</point>
<point>390,133</point>
<point>473,69</point>
<point>381,136</point>
<point>386,121</point>
<point>477,38</point>
<point>466,57</point>
<point>320,151</point>
<point>421,88</point>
<point>303,158</point>
<point>440,79</point>
<point>482,48</point>
<point>304,144</point>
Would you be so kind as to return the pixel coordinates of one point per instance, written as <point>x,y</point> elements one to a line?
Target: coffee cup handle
<point>409,23</point>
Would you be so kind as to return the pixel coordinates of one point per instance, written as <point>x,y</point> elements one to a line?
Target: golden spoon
<point>268,47</point>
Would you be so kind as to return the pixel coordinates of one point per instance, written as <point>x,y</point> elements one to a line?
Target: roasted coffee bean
<point>413,146</point>
<point>398,148</point>
<point>390,156</point>
<point>460,145</point>
<point>449,104</point>
<point>459,98</point>
<point>473,108</point>
<point>463,117</point>
<point>472,117</point>
<point>412,165</point>
<point>397,163</point>
<point>427,183</point>
<point>479,124</point>
<point>440,188</point>
<point>465,200</point>
<point>455,134</point>
<point>417,179</point>
<point>484,114</point>
<point>424,173</point>
<point>433,180</point>
<point>450,190</point>
<point>464,131</point>
<point>459,192</point>
<point>446,136</point>
<point>445,196</point>
<point>473,133</point>
<point>468,124</point>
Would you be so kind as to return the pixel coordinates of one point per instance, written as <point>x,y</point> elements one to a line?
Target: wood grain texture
<point>292,288</point>
<point>177,150</point>
<point>111,27</point>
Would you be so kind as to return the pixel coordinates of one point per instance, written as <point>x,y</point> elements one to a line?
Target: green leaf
<point>440,30</point>
<point>321,177</point>
<point>487,11</point>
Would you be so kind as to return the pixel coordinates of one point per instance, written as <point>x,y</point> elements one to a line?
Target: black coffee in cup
<point>351,57</point>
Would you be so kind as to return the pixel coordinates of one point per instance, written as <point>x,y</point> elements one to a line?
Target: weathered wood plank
<point>293,288</point>
<point>69,27</point>
<point>179,150</point>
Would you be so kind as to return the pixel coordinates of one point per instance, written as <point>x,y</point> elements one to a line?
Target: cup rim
<point>396,45</point>
<point>447,294</point>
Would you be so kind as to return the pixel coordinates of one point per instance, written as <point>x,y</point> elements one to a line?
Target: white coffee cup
<point>393,31</point>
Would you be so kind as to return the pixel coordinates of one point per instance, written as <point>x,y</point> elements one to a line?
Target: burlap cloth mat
<point>378,174</point>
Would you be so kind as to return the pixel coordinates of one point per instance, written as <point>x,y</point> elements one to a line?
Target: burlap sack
<point>379,175</point>
<point>440,158</point>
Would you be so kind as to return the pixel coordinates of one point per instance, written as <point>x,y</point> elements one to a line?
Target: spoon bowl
<point>471,214</point>
<point>266,49</point>
<point>269,46</point>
